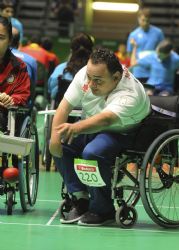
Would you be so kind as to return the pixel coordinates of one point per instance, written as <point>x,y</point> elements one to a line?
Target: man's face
<point>8,12</point>
<point>144,22</point>
<point>100,81</point>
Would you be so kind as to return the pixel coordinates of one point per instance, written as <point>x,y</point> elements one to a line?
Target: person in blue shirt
<point>81,48</point>
<point>162,65</point>
<point>29,60</point>
<point>147,37</point>
<point>7,8</point>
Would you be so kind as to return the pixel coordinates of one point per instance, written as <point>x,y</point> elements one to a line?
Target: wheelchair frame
<point>26,150</point>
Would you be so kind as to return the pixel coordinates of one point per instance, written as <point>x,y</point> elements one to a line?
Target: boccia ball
<point>11,174</point>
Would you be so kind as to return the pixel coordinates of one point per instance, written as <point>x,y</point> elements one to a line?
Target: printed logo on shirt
<point>85,87</point>
<point>126,73</point>
<point>10,79</point>
<point>123,100</point>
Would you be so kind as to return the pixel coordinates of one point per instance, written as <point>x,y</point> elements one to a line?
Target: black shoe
<point>79,208</point>
<point>91,219</point>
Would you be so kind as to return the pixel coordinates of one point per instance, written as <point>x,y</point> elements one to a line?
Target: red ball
<point>11,174</point>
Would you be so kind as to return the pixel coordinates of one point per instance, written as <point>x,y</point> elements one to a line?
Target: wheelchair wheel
<point>159,180</point>
<point>126,216</point>
<point>29,169</point>
<point>46,156</point>
<point>127,186</point>
<point>10,201</point>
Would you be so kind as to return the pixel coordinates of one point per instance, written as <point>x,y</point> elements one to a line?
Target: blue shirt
<point>18,25</point>
<point>162,73</point>
<point>29,61</point>
<point>53,79</point>
<point>146,41</point>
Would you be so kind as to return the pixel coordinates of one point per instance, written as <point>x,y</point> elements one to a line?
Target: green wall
<point>62,46</point>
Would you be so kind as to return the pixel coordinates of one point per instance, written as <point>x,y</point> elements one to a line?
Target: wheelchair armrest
<point>19,109</point>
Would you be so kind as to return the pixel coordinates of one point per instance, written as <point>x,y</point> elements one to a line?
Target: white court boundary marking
<point>101,228</point>
<point>52,218</point>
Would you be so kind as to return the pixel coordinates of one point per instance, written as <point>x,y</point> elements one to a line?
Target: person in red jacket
<point>14,79</point>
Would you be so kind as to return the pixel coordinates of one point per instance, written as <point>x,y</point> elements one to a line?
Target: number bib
<point>88,172</point>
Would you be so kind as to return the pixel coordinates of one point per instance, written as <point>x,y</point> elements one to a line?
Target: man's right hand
<point>133,43</point>
<point>55,148</point>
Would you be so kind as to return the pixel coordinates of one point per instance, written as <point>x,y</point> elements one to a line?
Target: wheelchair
<point>148,170</point>
<point>19,148</point>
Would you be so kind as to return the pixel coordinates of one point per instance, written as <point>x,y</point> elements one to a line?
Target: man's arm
<point>60,117</point>
<point>90,125</point>
<point>133,61</point>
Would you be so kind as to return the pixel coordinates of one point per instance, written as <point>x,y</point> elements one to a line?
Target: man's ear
<point>117,76</point>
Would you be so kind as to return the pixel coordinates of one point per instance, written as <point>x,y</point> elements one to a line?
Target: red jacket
<point>37,52</point>
<point>14,79</point>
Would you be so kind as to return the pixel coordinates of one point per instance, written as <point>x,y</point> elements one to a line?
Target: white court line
<point>101,228</point>
<point>52,218</point>
<point>55,201</point>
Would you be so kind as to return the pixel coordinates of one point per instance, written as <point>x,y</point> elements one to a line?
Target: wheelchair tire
<point>46,156</point>
<point>29,168</point>
<point>159,180</point>
<point>22,185</point>
<point>10,202</point>
<point>32,169</point>
<point>126,216</point>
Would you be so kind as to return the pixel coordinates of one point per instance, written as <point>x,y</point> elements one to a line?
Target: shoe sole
<point>63,221</point>
<point>80,223</point>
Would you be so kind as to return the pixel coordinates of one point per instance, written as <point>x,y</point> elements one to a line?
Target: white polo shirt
<point>128,100</point>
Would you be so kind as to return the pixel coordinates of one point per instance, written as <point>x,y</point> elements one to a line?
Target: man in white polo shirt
<point>113,104</point>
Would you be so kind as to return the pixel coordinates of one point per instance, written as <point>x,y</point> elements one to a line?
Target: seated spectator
<point>122,54</point>
<point>162,65</point>
<point>29,60</point>
<point>81,48</point>
<point>14,79</point>
<point>7,8</point>
<point>36,51</point>
<point>40,54</point>
<point>47,44</point>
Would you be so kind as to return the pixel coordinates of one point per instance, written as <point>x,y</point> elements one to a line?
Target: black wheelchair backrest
<point>167,103</point>
<point>63,85</point>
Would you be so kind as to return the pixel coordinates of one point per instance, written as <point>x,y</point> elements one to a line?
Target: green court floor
<point>40,228</point>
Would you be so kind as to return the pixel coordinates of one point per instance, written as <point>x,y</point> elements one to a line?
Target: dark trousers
<point>103,147</point>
